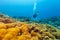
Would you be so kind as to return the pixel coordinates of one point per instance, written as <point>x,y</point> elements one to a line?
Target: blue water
<point>46,8</point>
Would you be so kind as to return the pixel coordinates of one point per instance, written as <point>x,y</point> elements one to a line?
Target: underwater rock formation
<point>55,21</point>
<point>22,19</point>
<point>6,19</point>
<point>3,15</point>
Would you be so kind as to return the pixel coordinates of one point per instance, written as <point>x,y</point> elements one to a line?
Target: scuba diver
<point>35,14</point>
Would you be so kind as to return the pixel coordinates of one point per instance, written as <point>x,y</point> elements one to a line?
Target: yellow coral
<point>24,28</point>
<point>13,31</point>
<point>8,37</point>
<point>14,39</point>
<point>23,31</point>
<point>10,25</point>
<point>24,37</point>
<point>34,38</point>
<point>2,33</point>
<point>2,26</point>
<point>33,33</point>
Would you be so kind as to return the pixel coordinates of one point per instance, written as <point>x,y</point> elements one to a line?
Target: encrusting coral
<point>10,30</point>
<point>24,31</point>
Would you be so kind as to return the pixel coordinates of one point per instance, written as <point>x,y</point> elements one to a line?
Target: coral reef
<point>22,19</point>
<point>17,30</point>
<point>6,19</point>
<point>24,31</point>
<point>55,21</point>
